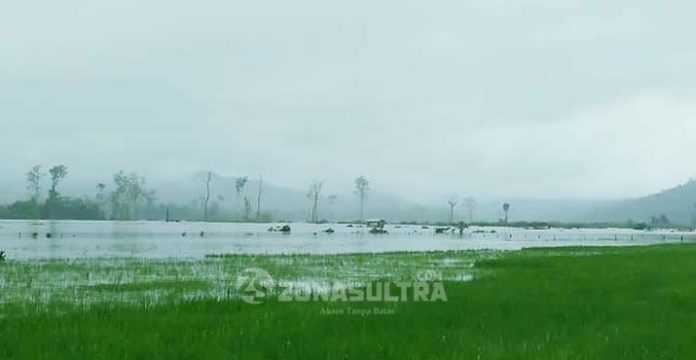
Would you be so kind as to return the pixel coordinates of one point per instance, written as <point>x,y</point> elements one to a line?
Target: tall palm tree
<point>506,209</point>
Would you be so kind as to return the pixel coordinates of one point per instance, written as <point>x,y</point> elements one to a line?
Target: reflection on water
<point>90,239</point>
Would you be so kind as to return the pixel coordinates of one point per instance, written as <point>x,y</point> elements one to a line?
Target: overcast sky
<point>495,98</point>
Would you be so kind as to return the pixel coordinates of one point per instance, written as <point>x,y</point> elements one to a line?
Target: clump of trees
<point>53,205</point>
<point>58,173</point>
<point>127,200</point>
<point>660,221</point>
<point>127,196</point>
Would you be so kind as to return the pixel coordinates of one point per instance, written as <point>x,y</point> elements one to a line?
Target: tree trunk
<point>207,196</point>
<point>258,199</point>
<point>314,207</point>
<point>362,208</point>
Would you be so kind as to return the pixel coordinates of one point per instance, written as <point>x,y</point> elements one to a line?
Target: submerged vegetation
<point>569,303</point>
<point>41,283</point>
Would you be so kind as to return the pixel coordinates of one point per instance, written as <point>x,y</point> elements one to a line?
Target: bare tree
<point>239,185</point>
<point>258,199</point>
<point>314,194</point>
<point>34,176</point>
<point>207,195</point>
<point>506,210</point>
<point>362,186</point>
<point>471,204</point>
<point>452,203</point>
<point>247,208</point>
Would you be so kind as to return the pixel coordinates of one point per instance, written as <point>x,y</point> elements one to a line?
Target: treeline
<point>121,203</point>
<point>53,205</point>
<point>126,197</point>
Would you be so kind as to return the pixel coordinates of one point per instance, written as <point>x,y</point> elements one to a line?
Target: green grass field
<point>570,303</point>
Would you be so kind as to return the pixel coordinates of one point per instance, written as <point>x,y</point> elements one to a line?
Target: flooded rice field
<point>81,263</point>
<point>37,284</point>
<point>194,240</point>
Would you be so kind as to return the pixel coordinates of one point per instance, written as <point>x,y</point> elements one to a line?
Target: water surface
<point>143,239</point>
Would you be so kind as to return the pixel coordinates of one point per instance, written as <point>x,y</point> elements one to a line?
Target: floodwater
<point>29,239</point>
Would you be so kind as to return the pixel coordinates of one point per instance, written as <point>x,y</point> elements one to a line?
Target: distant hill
<point>561,210</point>
<point>292,204</point>
<point>678,204</point>
<point>285,203</point>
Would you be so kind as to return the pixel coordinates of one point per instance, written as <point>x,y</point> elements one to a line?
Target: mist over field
<point>558,108</point>
<point>531,99</point>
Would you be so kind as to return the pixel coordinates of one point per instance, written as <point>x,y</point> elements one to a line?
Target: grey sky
<point>540,98</point>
